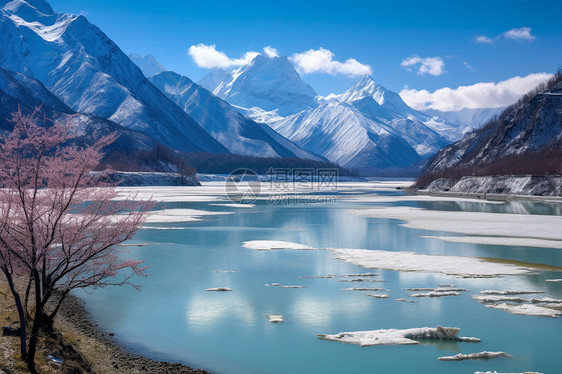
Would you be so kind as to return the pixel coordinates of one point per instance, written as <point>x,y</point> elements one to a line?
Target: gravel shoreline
<point>101,350</point>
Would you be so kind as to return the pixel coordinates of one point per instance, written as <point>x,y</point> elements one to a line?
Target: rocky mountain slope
<point>82,67</point>
<point>526,137</point>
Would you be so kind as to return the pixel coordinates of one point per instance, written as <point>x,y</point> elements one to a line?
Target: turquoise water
<point>173,318</point>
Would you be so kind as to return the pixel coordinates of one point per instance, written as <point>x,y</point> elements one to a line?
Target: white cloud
<point>322,61</point>
<point>479,95</point>
<point>271,52</point>
<point>428,65</point>
<point>468,66</point>
<point>207,56</point>
<point>483,39</point>
<point>522,34</point>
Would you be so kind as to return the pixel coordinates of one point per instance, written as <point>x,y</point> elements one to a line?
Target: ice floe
<point>363,289</point>
<point>219,289</point>
<point>435,294</point>
<point>495,372</point>
<point>235,205</point>
<point>509,292</point>
<point>554,280</point>
<point>379,296</point>
<point>497,298</point>
<point>526,309</point>
<point>268,245</point>
<point>473,223</point>
<point>495,240</point>
<point>548,300</point>
<point>411,261</point>
<point>282,286</point>
<point>224,271</point>
<point>404,300</point>
<point>397,337</point>
<point>180,215</point>
<point>275,318</point>
<point>485,355</point>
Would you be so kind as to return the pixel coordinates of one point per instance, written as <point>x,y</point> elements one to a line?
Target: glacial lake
<point>174,318</point>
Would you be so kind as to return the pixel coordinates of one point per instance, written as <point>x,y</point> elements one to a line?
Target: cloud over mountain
<point>428,65</point>
<point>479,95</point>
<point>322,61</point>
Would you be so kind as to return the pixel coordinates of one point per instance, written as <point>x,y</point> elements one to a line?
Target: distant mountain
<point>468,118</point>
<point>269,83</point>
<point>237,133</point>
<point>367,127</point>
<point>82,67</point>
<point>213,78</point>
<point>522,139</point>
<point>19,92</point>
<point>148,64</point>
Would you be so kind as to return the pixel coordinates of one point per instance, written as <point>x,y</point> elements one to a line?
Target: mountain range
<point>73,70</point>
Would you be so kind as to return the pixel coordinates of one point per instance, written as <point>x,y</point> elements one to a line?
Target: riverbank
<point>501,185</point>
<point>79,343</point>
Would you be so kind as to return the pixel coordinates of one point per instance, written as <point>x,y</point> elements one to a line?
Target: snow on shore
<point>397,337</point>
<point>494,240</point>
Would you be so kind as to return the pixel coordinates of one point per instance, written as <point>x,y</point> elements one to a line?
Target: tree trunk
<point>21,314</point>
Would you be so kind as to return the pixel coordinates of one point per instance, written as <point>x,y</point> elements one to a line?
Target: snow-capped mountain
<point>148,64</point>
<point>19,92</point>
<point>343,135</point>
<point>532,125</point>
<point>269,83</point>
<point>365,127</point>
<point>81,66</point>
<point>237,133</point>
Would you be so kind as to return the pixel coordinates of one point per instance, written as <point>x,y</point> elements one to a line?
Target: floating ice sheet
<point>397,337</point>
<point>473,223</point>
<point>411,261</point>
<point>219,289</point>
<point>180,215</point>
<point>268,245</point>
<point>497,298</point>
<point>510,292</point>
<point>275,318</point>
<point>526,309</point>
<point>485,355</point>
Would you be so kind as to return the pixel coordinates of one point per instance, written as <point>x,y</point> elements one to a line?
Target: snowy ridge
<point>235,132</point>
<point>80,65</point>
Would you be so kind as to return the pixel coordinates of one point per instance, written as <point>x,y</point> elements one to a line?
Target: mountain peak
<point>148,64</point>
<point>365,87</point>
<point>28,10</point>
<point>268,82</point>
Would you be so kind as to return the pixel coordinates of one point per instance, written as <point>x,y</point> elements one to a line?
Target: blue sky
<point>378,34</point>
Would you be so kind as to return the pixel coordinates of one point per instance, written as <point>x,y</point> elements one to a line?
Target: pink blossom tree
<point>59,229</point>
